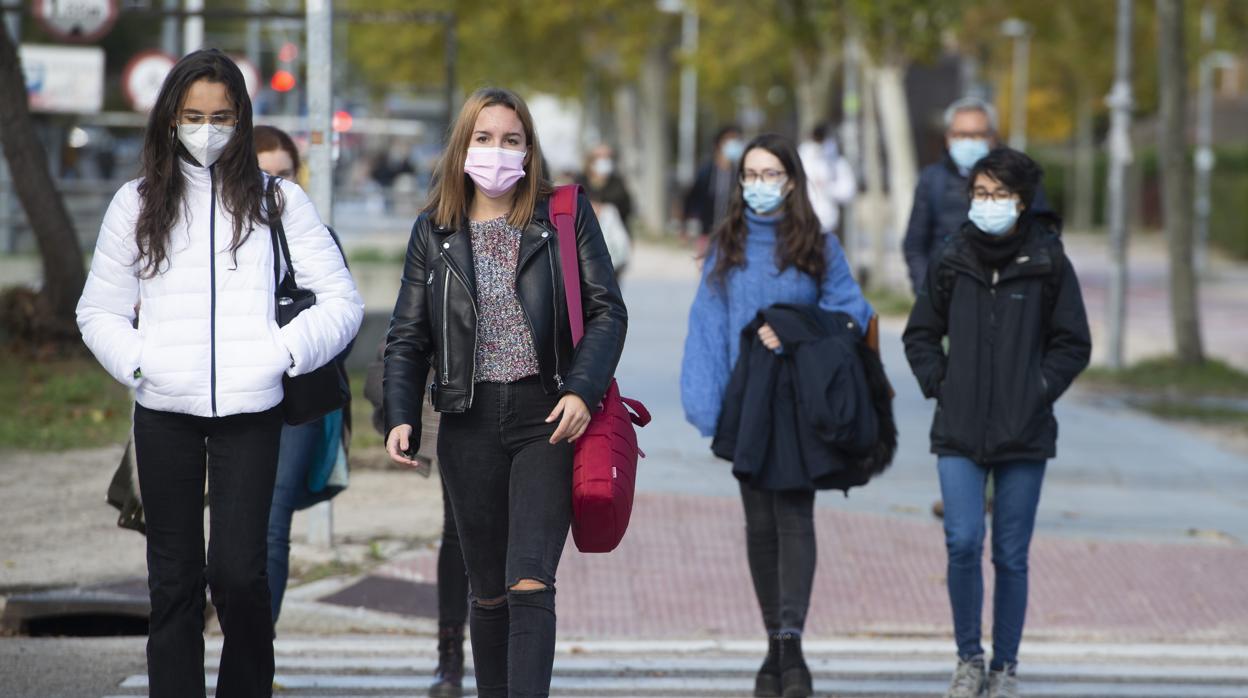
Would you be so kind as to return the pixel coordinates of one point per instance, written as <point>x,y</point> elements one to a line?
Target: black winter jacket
<point>435,317</point>
<point>1017,339</point>
<point>940,209</point>
<point>816,416</point>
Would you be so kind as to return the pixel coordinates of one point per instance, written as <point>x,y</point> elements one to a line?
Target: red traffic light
<point>283,81</point>
<point>342,121</point>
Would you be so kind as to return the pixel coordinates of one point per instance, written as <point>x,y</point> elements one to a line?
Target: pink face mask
<point>494,170</point>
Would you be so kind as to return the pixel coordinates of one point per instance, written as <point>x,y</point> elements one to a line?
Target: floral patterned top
<point>505,351</point>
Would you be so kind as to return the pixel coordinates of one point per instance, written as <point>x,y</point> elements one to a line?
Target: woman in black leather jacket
<point>482,303</point>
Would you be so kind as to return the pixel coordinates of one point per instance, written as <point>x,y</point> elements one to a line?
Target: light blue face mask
<point>994,217</point>
<point>733,149</point>
<point>967,151</point>
<point>762,197</point>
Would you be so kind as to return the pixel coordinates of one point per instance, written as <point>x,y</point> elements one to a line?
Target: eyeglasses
<point>767,176</point>
<point>221,119</point>
<point>999,195</point>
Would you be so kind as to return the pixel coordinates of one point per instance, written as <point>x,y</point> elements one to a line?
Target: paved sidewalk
<point>681,573</point>
<point>1223,299</point>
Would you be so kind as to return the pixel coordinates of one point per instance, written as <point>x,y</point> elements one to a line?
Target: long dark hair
<point>799,238</point>
<point>163,187</point>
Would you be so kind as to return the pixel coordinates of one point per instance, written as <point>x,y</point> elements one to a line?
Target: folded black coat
<point>817,415</point>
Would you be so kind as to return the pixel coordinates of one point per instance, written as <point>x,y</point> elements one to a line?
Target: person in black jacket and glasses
<point>482,299</point>
<point>1007,299</point>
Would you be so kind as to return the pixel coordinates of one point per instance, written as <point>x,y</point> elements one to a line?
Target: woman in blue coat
<point>769,250</point>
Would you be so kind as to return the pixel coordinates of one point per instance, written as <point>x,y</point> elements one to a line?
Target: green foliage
<point>1168,375</point>
<point>56,404</point>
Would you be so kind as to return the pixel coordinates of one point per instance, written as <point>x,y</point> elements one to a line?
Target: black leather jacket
<point>435,318</point>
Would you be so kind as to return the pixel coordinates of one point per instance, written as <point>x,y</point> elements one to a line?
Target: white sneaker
<point>968,679</point>
<point>1003,683</point>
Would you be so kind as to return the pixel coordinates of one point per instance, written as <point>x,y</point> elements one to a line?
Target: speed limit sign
<point>76,20</point>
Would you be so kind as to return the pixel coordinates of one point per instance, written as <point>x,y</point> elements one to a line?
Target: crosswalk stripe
<point>372,667</point>
<point>735,665</point>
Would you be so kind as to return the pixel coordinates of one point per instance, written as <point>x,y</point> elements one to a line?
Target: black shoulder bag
<point>314,394</point>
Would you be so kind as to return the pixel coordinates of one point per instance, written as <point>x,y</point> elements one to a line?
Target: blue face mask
<point>762,197</point>
<point>994,217</point>
<point>733,149</point>
<point>967,151</point>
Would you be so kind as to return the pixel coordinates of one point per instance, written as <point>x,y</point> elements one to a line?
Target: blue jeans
<point>299,445</point>
<point>1016,496</point>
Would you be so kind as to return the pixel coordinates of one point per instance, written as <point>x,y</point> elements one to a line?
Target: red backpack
<point>604,468</point>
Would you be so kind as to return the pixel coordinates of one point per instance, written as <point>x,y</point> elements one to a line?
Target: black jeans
<point>511,492</point>
<point>452,575</point>
<point>239,455</point>
<point>780,544</point>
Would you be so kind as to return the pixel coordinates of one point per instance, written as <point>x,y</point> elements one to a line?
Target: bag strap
<point>563,213</point>
<point>278,233</point>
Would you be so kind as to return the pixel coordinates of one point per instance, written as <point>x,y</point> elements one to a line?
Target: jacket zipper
<point>555,318</point>
<point>446,361</point>
<point>472,381</point>
<point>992,352</point>
<point>212,287</point>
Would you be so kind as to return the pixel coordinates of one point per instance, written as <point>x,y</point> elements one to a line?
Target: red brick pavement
<point>681,573</point>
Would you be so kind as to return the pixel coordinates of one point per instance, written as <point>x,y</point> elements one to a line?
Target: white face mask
<point>603,167</point>
<point>994,217</point>
<point>205,142</point>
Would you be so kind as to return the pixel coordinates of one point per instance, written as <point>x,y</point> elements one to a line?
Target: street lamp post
<point>688,124</point>
<point>1204,150</point>
<point>1020,31</point>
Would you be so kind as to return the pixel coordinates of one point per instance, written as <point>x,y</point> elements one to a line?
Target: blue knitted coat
<point>720,312</point>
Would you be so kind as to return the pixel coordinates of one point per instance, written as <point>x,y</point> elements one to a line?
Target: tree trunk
<point>1083,201</point>
<point>871,209</point>
<point>655,151</point>
<point>813,85</point>
<point>63,272</point>
<point>894,114</point>
<point>1175,181</point>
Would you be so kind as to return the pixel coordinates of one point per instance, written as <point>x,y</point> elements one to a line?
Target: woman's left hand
<point>768,337</point>
<point>575,418</point>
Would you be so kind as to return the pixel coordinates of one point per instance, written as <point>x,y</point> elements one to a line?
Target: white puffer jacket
<point>207,343</point>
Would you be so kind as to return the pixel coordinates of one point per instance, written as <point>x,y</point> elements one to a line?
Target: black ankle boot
<point>448,681</point>
<point>794,675</point>
<point>767,683</point>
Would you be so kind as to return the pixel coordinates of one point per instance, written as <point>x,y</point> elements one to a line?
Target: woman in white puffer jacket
<point>187,248</point>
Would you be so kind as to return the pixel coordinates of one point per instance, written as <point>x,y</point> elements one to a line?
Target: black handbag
<point>314,394</point>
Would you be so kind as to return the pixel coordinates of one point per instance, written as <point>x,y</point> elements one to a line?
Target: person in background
<point>190,239</point>
<point>307,451</point>
<point>603,182</point>
<point>612,204</point>
<point>939,208</point>
<point>828,176</point>
<point>768,250</point>
<point>1005,298</point>
<point>707,200</point>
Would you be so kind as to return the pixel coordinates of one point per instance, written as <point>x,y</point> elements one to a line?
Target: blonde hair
<point>452,189</point>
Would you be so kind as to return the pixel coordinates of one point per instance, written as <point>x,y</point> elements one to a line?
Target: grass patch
<point>363,435</point>
<point>57,404</point>
<point>333,568</point>
<point>373,255</point>
<point>1166,375</point>
<point>1167,409</point>
<point>890,302</point>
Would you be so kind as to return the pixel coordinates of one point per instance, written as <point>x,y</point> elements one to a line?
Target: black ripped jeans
<point>780,543</point>
<point>511,492</point>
